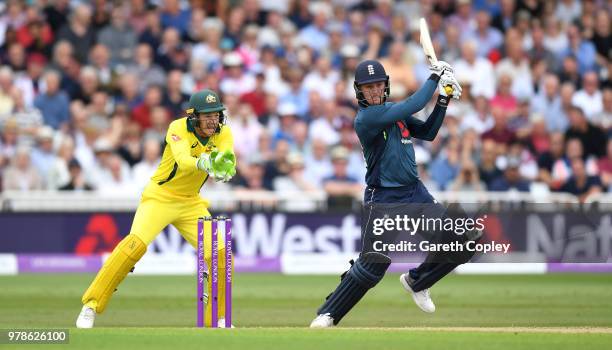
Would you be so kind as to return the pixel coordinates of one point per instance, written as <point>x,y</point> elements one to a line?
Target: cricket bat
<point>429,50</point>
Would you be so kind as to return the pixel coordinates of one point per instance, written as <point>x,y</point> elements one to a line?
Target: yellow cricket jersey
<point>177,172</point>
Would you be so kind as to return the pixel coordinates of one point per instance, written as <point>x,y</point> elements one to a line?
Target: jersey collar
<point>191,129</point>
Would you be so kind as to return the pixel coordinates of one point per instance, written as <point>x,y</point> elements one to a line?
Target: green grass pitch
<point>271,311</point>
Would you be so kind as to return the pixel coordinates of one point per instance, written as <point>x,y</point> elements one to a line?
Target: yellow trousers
<point>158,208</point>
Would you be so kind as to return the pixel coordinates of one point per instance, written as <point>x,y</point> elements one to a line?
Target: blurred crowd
<point>88,88</point>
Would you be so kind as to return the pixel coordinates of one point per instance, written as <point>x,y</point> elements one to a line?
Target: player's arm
<point>427,130</point>
<point>181,150</point>
<point>380,116</point>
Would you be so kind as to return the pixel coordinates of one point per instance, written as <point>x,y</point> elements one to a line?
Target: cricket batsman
<point>197,147</point>
<point>385,130</point>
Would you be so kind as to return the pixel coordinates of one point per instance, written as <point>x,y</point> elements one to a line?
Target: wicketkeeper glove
<point>224,165</point>
<point>205,162</point>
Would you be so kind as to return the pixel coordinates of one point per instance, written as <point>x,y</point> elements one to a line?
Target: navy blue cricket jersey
<point>386,131</point>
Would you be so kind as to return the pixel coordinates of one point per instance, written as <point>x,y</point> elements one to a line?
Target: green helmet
<point>205,101</point>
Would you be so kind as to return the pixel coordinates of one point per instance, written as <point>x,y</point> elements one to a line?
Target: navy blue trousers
<point>429,272</point>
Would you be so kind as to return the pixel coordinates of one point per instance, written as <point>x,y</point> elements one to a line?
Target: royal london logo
<point>211,98</point>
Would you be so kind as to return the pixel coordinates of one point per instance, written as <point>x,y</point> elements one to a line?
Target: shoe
<point>421,298</point>
<point>322,321</point>
<point>86,317</point>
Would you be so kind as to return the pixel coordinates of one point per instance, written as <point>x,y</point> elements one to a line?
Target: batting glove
<point>440,67</point>
<point>449,86</point>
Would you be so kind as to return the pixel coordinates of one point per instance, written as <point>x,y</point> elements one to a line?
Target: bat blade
<point>426,42</point>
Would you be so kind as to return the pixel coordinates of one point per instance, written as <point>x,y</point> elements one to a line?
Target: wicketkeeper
<point>197,147</point>
<point>385,130</point>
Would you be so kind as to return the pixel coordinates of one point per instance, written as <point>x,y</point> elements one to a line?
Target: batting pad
<point>123,258</point>
<point>364,274</point>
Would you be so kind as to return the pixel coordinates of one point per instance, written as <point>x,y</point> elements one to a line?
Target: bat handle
<point>448,89</point>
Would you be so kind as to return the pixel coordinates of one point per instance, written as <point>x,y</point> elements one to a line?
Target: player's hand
<point>440,67</point>
<point>224,166</point>
<point>205,162</point>
<point>449,86</point>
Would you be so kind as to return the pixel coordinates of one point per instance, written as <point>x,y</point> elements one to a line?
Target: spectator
<point>511,179</point>
<point>297,94</point>
<point>580,184</point>
<point>256,98</point>
<point>505,18</point>
<point>295,180</point>
<point>43,157</point>
<point>29,119</point>
<point>252,176</point>
<point>548,103</point>
<point>583,50</point>
<point>500,133</point>
<point>318,163</point>
<point>281,124</point>
<point>504,98</point>
<point>516,66</point>
<point>399,71</point>
<point>144,169</point>
<point>116,179</point>
<point>21,175</point>
<point>99,57</point>
<point>173,16</point>
<point>322,79</point>
<point>6,85</point>
<point>555,40</point>
<point>604,119</point>
<point>79,32</point>
<point>142,113</point>
<point>153,30</point>
<point>562,167</point>
<point>315,35</point>
<point>340,186</point>
<point>589,98</point>
<point>119,37</point>
<point>171,53</point>
<point>147,72</point>
<point>487,167</point>
<point>487,37</point>
<point>208,50</point>
<point>246,130</point>
<point>160,120</point>
<point>593,138</point>
<point>8,139</point>
<point>77,179</point>
<point>446,165</point>
<point>129,94</point>
<point>53,103</point>
<point>174,99</point>
<point>59,174</point>
<point>467,179</point>
<point>479,69</point>
<point>549,158</point>
<point>605,166</point>
<point>236,81</point>
<point>602,38</point>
